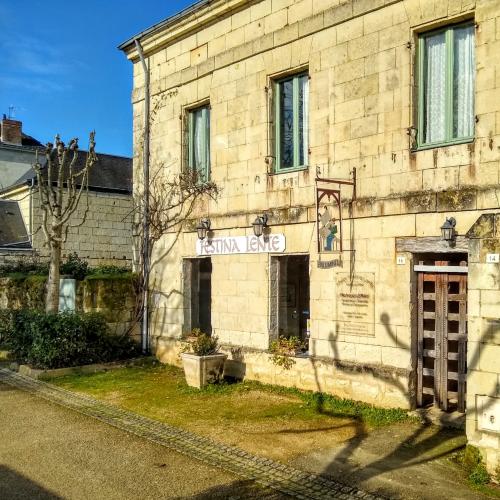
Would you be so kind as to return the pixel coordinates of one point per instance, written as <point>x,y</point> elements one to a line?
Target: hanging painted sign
<point>227,245</point>
<point>329,224</point>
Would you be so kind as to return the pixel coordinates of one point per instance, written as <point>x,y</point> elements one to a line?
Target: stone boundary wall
<point>114,298</point>
<point>10,256</point>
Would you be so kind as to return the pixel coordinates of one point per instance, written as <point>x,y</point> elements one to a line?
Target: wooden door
<point>442,334</point>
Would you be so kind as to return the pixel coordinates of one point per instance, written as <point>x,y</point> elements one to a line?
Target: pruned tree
<point>62,181</point>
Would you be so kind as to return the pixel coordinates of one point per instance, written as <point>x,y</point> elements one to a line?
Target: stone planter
<point>203,370</point>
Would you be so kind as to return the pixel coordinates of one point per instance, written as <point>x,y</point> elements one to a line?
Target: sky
<point>61,71</point>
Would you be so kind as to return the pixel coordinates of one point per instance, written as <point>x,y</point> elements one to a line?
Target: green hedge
<point>61,340</point>
<point>73,267</point>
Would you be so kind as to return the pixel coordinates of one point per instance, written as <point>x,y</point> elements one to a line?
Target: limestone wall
<point>360,56</point>
<point>104,238</point>
<point>381,386</point>
<point>9,256</point>
<point>483,381</point>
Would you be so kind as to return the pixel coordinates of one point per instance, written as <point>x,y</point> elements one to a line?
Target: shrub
<point>283,349</point>
<point>75,267</point>
<point>68,339</point>
<point>200,343</point>
<point>5,325</point>
<point>23,267</point>
<point>472,461</point>
<point>109,270</point>
<point>479,475</point>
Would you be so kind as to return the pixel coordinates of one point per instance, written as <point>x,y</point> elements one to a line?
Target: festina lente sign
<point>226,245</point>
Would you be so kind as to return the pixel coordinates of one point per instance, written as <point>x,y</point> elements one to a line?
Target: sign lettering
<point>228,245</point>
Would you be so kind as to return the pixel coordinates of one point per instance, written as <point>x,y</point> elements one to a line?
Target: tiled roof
<point>109,173</point>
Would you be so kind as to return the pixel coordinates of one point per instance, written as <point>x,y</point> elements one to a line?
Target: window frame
<point>206,115</point>
<point>278,169</point>
<point>448,30</point>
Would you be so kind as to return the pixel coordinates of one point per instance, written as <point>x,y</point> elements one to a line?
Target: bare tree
<point>61,184</point>
<point>173,199</point>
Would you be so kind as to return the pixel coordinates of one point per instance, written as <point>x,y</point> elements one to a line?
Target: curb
<point>41,374</point>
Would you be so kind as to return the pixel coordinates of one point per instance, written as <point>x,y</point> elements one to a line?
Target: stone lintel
<point>432,244</point>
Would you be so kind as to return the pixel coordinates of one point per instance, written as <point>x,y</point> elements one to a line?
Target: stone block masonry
<point>104,237</point>
<point>361,58</point>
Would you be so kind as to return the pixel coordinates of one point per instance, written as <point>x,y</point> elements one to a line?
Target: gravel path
<point>262,478</point>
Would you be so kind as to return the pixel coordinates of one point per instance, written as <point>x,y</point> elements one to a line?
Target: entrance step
<point>435,416</point>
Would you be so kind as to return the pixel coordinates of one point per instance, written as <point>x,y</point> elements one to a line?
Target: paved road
<point>83,458</point>
<point>50,452</point>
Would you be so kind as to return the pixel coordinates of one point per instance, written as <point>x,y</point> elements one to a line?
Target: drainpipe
<point>32,188</point>
<point>145,218</point>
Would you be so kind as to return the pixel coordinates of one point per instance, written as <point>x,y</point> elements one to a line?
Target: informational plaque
<point>356,304</point>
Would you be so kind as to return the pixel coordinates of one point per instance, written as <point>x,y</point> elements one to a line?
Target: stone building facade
<point>104,235</point>
<point>395,104</point>
<point>17,151</point>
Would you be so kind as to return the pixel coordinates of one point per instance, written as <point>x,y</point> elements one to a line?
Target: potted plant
<point>284,349</point>
<point>202,362</point>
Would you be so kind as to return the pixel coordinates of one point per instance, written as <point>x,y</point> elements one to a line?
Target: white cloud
<point>32,64</point>
<point>33,84</point>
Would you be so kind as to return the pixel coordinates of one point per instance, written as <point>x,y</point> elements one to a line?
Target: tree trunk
<point>52,299</point>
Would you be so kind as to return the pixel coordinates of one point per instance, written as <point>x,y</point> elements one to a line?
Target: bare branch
<point>61,185</point>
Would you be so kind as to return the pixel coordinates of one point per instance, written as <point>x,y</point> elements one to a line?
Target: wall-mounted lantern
<point>203,228</point>
<point>259,224</point>
<point>448,229</point>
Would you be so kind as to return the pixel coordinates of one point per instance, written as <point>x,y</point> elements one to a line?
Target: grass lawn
<point>276,422</point>
<point>288,425</point>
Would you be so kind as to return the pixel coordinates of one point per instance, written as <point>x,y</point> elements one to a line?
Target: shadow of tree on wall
<point>422,445</point>
<point>16,486</point>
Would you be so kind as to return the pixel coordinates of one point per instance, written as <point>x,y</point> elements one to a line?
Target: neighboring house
<point>398,101</point>
<point>17,151</point>
<point>14,239</point>
<point>105,237</point>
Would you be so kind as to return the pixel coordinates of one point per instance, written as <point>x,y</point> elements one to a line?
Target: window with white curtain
<point>291,122</point>
<point>446,85</point>
<point>199,142</point>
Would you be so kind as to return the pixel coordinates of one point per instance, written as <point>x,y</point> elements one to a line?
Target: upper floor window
<point>291,122</point>
<point>446,86</point>
<point>199,142</point>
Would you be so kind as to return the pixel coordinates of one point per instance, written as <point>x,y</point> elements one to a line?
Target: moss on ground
<point>471,461</point>
<point>160,382</point>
